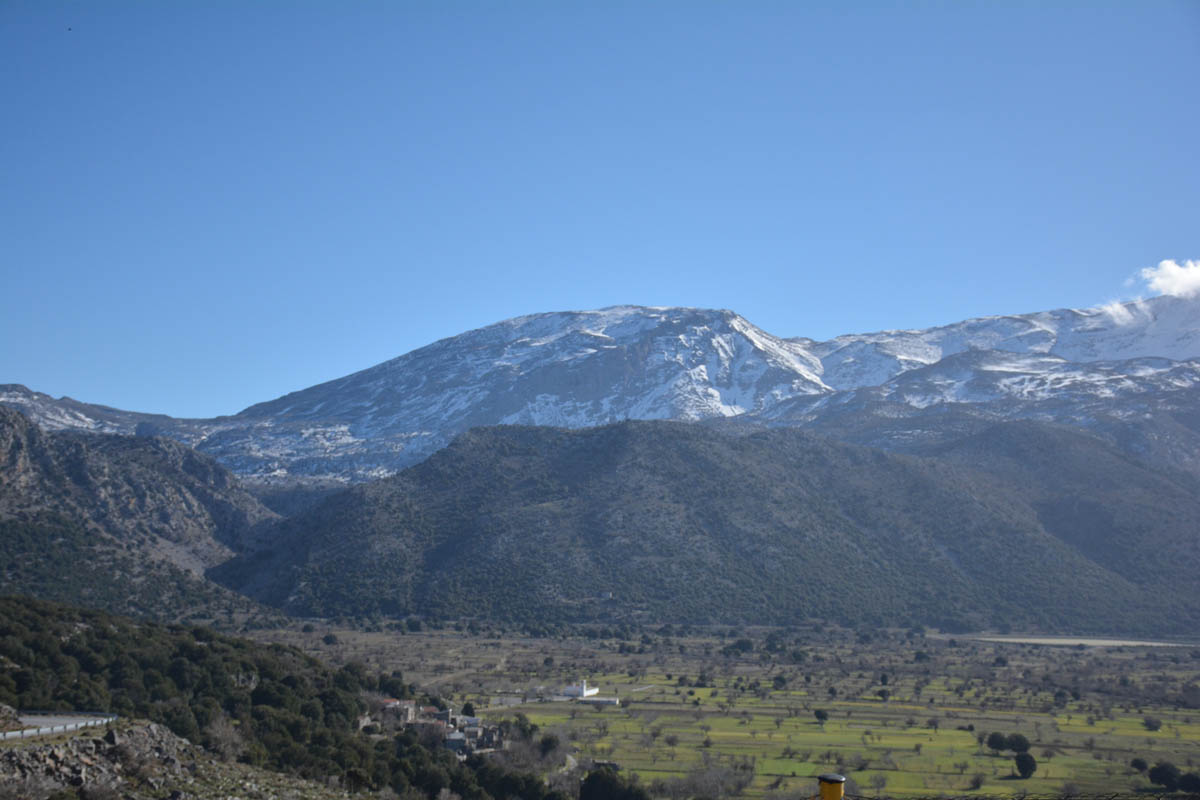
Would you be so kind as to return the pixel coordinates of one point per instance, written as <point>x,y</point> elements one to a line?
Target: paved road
<point>52,720</point>
<point>51,724</point>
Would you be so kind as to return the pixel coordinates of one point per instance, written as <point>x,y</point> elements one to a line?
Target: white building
<point>580,689</point>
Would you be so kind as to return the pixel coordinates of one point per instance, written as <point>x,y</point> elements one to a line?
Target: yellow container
<point>832,786</point>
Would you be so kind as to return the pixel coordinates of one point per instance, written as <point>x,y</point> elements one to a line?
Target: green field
<point>699,716</point>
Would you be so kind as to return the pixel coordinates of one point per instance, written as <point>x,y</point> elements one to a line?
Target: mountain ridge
<point>584,368</point>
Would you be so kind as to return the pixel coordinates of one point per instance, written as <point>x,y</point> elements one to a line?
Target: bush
<point>605,784</point>
<point>1018,743</point>
<point>1165,774</point>
<point>1026,764</point>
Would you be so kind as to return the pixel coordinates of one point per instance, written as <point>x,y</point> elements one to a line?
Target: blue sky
<point>208,204</point>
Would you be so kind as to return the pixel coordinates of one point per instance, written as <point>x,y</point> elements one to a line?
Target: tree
<point>1139,764</point>
<point>605,784</point>
<point>1165,774</point>
<point>1151,723</point>
<point>548,744</point>
<point>1189,782</point>
<point>884,694</point>
<point>1018,743</point>
<point>997,741</point>
<point>821,715</point>
<point>468,709</point>
<point>1026,764</point>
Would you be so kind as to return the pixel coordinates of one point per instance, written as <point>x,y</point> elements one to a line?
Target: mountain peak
<point>576,369</point>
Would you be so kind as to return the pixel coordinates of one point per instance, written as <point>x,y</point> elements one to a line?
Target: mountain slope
<point>1091,496</point>
<point>683,523</point>
<point>127,523</point>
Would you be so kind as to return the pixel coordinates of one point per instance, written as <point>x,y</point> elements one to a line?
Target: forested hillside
<point>266,705</point>
<point>683,523</point>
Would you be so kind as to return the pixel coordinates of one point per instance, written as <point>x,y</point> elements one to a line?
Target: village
<point>464,733</point>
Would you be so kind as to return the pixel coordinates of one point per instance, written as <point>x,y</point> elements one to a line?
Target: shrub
<point>1165,774</point>
<point>1189,782</point>
<point>1018,743</point>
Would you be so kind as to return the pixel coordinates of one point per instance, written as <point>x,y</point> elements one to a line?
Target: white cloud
<point>1171,277</point>
<point>1126,312</point>
<point>1117,312</point>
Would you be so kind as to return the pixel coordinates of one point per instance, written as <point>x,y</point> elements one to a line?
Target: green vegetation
<point>269,706</point>
<point>54,558</point>
<point>681,523</point>
<point>122,523</point>
<point>700,718</point>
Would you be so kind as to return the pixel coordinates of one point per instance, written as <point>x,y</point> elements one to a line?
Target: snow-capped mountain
<point>570,369</point>
<point>1163,327</point>
<point>573,369</point>
<point>579,369</point>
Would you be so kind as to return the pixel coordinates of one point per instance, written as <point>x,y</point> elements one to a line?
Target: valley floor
<point>905,715</point>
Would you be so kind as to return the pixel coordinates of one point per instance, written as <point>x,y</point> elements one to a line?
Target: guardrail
<point>93,719</point>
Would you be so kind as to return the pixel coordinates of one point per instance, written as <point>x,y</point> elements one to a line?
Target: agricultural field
<point>761,712</point>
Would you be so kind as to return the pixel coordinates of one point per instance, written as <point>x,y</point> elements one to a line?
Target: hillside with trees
<point>676,522</point>
<point>126,523</point>
<point>270,706</point>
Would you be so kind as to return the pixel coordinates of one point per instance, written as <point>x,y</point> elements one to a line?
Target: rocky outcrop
<point>140,755</point>
<point>140,761</point>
